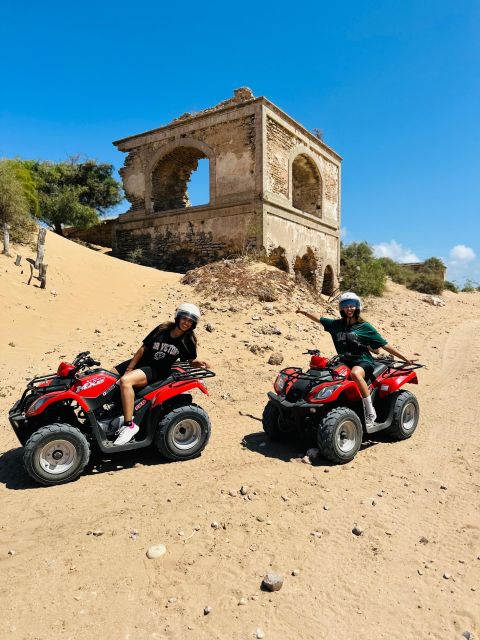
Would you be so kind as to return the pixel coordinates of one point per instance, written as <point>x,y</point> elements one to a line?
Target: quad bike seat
<point>152,387</point>
<point>378,370</point>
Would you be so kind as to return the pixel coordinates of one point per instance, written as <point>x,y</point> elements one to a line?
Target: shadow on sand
<point>14,476</point>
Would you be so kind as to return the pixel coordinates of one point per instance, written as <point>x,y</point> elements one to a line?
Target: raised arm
<point>307,314</point>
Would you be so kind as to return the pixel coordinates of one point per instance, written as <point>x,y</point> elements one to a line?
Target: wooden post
<point>6,239</point>
<point>18,260</point>
<point>40,248</point>
<point>42,275</point>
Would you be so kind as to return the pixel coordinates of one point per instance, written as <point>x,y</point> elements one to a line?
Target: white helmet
<point>188,310</point>
<point>349,299</point>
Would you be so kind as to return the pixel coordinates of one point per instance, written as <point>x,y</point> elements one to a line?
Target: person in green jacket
<point>355,340</point>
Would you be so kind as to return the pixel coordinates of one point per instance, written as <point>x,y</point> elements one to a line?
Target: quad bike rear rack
<point>184,371</point>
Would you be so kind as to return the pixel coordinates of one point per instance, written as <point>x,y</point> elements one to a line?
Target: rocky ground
<point>73,558</point>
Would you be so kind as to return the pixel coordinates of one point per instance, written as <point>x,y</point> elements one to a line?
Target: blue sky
<point>394,86</point>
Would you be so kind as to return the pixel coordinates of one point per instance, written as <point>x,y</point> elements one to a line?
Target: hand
<point>200,363</point>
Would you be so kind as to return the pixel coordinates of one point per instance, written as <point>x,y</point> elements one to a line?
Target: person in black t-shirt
<point>164,345</point>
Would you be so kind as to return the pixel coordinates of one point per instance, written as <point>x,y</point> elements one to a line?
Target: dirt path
<point>418,501</point>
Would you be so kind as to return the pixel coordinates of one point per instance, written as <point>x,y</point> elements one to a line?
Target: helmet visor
<point>187,316</point>
<point>350,302</point>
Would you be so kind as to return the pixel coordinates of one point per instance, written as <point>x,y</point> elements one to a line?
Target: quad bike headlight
<point>35,406</point>
<point>326,391</point>
<point>280,382</point>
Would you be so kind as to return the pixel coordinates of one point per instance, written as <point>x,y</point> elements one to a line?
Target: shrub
<point>135,255</point>
<point>469,286</point>
<point>450,286</point>
<point>361,271</point>
<point>425,282</point>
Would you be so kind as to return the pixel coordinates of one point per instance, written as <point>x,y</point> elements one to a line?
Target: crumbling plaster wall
<point>317,225</point>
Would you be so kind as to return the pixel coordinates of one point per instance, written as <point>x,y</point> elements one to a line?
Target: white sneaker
<point>126,434</point>
<point>370,420</point>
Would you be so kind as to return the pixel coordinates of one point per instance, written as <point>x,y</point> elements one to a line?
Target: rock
<point>207,610</point>
<point>11,344</point>
<point>156,551</point>
<point>259,633</point>
<point>316,534</point>
<point>443,486</point>
<point>53,292</point>
<point>468,635</point>
<point>133,535</point>
<point>244,489</point>
<point>97,533</point>
<point>11,552</point>
<point>209,328</point>
<point>447,576</point>
<point>272,582</point>
<point>97,331</point>
<point>326,507</point>
<point>423,540</point>
<point>275,358</point>
<point>434,301</point>
<point>215,525</point>
<point>306,460</point>
<point>172,600</point>
<point>233,493</point>
<point>296,572</point>
<point>242,602</point>
<point>357,531</point>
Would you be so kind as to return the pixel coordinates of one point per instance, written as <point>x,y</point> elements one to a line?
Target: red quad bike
<point>60,416</point>
<point>324,400</point>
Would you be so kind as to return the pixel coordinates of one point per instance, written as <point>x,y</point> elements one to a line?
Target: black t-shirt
<point>161,351</point>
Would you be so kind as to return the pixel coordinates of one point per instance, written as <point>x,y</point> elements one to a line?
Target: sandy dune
<point>62,583</point>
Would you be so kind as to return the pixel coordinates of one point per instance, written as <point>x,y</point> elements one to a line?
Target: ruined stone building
<point>274,187</point>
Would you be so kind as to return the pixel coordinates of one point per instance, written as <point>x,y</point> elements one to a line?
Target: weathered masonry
<point>273,186</point>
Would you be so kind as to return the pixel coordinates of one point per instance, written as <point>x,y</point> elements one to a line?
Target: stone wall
<point>273,185</point>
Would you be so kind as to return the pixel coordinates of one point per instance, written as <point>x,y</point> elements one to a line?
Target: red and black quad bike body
<point>61,416</point>
<point>326,402</point>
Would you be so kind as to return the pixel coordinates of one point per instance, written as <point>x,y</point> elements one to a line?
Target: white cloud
<point>461,253</point>
<point>395,251</point>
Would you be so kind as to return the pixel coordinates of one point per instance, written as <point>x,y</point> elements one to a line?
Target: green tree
<point>360,270</point>
<point>74,193</point>
<point>15,205</point>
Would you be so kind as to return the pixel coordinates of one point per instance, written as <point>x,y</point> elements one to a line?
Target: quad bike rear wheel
<point>56,454</point>
<point>339,435</point>
<point>183,432</point>
<point>405,416</point>
<point>273,425</point>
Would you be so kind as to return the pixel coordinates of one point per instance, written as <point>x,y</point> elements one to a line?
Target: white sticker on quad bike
<point>91,383</point>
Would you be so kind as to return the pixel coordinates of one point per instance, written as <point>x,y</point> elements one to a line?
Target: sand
<point>413,573</point>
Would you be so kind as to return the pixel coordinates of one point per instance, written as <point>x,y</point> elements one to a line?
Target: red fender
<point>348,387</point>
<point>174,389</point>
<point>388,384</point>
<point>56,397</point>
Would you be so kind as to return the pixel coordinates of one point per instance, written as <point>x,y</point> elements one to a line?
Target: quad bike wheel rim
<point>186,434</point>
<point>409,415</point>
<point>57,456</point>
<point>346,436</point>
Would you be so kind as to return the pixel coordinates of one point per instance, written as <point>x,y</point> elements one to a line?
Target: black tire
<point>183,433</point>
<point>273,426</point>
<point>339,435</point>
<point>406,413</point>
<point>56,454</point>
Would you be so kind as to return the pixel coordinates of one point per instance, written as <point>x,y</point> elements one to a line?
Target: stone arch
<point>277,257</point>
<point>169,171</point>
<point>328,282</point>
<point>306,267</point>
<point>306,184</point>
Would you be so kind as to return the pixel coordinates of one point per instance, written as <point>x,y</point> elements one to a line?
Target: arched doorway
<point>328,281</point>
<point>305,267</point>
<point>171,179</point>
<point>306,185</point>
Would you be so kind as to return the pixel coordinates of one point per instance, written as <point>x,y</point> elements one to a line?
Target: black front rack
<point>190,373</point>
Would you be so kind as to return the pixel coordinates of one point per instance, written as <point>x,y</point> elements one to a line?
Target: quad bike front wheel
<point>183,433</point>
<point>339,435</point>
<point>56,454</point>
<point>406,412</point>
